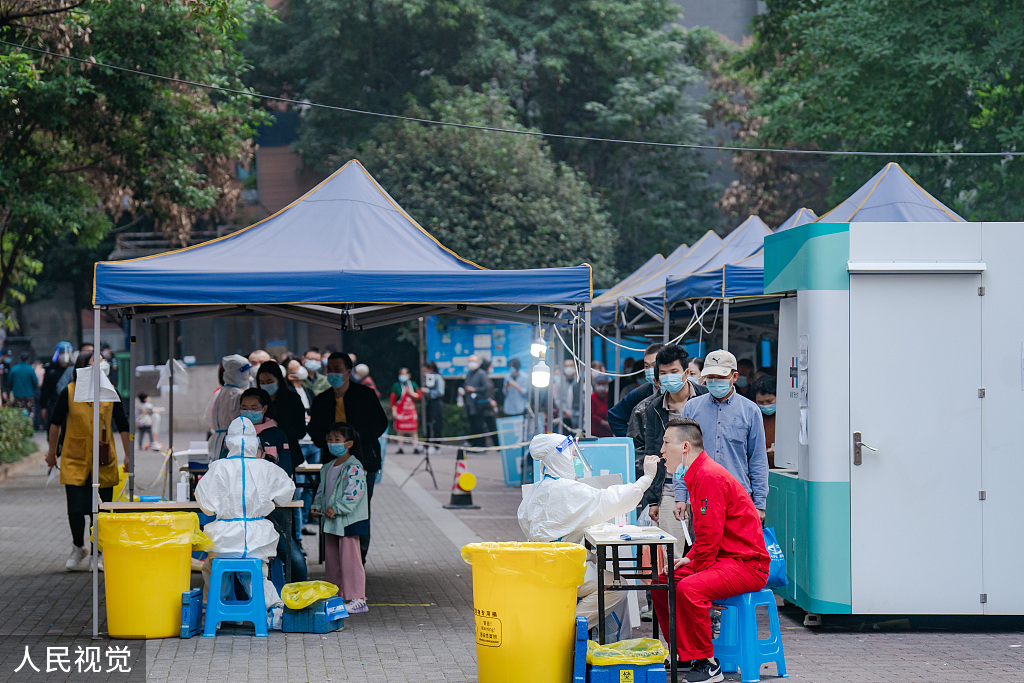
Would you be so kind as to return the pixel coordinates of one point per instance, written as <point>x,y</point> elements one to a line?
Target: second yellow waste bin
<point>524,599</point>
<point>146,562</point>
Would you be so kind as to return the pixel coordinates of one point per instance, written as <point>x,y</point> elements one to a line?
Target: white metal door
<point>915,372</point>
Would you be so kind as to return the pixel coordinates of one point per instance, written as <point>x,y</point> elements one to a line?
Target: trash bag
<point>636,651</point>
<point>777,567</point>
<point>148,530</point>
<point>304,593</point>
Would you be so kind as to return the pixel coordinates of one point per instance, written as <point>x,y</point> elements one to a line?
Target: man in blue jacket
<point>619,414</point>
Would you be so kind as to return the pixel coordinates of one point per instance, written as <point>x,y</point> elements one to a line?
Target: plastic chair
<point>222,605</point>
<point>738,645</point>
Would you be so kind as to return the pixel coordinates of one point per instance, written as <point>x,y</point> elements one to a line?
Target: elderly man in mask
<point>560,508</point>
<point>241,490</point>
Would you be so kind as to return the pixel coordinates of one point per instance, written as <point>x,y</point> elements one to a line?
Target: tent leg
<point>618,361</point>
<point>95,473</point>
<point>664,322</point>
<point>588,347</point>
<point>725,326</point>
<point>170,411</point>
<point>132,362</point>
<point>551,389</point>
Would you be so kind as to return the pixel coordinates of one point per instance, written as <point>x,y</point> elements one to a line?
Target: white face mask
<point>569,372</point>
<point>472,365</point>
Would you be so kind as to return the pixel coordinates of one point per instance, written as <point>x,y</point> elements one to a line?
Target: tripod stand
<point>425,465</point>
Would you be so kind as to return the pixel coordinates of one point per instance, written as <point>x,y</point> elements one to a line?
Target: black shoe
<point>705,671</point>
<point>681,664</point>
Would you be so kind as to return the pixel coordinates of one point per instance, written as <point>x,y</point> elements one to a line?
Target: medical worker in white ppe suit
<point>241,490</point>
<point>560,508</point>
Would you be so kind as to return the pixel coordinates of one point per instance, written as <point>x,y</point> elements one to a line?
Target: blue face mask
<point>337,449</point>
<point>577,465</point>
<point>254,416</point>
<point>672,383</point>
<point>767,410</point>
<point>313,366</point>
<point>719,388</point>
<point>270,388</point>
<point>336,379</point>
<point>741,381</point>
<point>649,375</point>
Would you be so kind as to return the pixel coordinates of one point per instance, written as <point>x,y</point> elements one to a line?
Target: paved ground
<point>420,627</point>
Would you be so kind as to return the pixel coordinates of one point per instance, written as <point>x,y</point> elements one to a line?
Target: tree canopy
<point>898,75</point>
<point>83,146</point>
<point>602,68</point>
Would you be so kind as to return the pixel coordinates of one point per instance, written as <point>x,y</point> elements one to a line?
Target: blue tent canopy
<point>604,304</point>
<point>735,279</point>
<point>363,249</point>
<point>891,196</point>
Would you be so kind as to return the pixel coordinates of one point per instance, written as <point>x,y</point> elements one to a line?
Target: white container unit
<point>912,336</point>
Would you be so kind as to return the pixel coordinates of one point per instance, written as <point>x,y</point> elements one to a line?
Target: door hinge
<point>981,291</point>
<point>984,598</point>
<point>981,393</point>
<point>982,495</point>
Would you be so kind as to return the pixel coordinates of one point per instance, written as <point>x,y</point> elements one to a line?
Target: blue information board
<point>451,341</point>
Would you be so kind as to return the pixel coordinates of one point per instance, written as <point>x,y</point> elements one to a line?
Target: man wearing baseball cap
<point>733,431</point>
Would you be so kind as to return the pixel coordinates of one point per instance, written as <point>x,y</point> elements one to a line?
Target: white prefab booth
<point>901,402</point>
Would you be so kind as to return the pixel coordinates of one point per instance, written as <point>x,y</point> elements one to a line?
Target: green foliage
<point>81,144</point>
<point>15,435</point>
<point>454,420</point>
<point>600,68</point>
<point>899,75</point>
<point>502,202</point>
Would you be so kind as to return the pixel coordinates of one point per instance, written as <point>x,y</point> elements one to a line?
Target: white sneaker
<point>357,606</point>
<point>100,561</point>
<point>78,561</point>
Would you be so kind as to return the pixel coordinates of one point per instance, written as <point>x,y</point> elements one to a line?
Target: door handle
<point>857,444</point>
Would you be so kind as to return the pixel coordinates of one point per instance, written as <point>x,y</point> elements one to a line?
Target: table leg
<point>671,630</point>
<point>291,548</point>
<point>600,593</point>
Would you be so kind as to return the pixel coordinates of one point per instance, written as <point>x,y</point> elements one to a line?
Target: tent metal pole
<point>725,326</point>
<point>170,411</point>
<point>132,362</point>
<point>551,384</point>
<point>664,322</point>
<point>588,348</point>
<point>618,360</point>
<point>95,472</point>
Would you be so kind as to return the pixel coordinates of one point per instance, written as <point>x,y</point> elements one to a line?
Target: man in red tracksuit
<point>728,556</point>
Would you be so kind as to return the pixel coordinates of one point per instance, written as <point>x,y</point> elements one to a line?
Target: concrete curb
<point>11,470</point>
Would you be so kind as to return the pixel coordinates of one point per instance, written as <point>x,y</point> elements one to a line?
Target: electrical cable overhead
<point>511,131</point>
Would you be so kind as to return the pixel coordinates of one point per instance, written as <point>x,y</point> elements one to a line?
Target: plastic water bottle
<point>182,493</point>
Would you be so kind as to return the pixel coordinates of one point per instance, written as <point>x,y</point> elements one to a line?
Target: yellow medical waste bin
<point>524,599</point>
<point>146,561</point>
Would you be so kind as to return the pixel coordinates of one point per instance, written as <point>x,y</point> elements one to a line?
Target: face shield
<point>570,448</point>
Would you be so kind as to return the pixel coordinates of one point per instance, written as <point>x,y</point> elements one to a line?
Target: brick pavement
<point>414,561</point>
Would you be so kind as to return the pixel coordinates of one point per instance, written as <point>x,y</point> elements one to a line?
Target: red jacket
<point>725,522</point>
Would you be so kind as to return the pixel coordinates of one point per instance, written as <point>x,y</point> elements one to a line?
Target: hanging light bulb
<point>538,348</point>
<point>541,375</point>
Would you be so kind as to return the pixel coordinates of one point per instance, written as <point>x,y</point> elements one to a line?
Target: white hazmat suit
<point>241,490</point>
<point>225,404</point>
<point>560,508</point>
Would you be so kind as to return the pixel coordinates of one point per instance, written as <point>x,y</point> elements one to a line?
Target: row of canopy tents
<point>365,263</point>
<point>732,268</point>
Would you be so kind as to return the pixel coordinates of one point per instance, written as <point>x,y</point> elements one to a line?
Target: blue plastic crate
<point>192,613</point>
<point>323,616</point>
<point>652,673</point>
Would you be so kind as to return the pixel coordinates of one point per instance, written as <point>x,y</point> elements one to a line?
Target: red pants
<point>694,594</point>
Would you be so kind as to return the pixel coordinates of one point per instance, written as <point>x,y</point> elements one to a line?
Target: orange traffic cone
<point>463,484</point>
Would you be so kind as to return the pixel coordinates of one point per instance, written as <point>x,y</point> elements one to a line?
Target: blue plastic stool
<point>220,608</point>
<point>738,646</point>
<point>579,656</point>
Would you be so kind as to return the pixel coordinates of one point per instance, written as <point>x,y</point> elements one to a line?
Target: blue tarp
<point>345,241</point>
<point>740,278</point>
<point>891,196</point>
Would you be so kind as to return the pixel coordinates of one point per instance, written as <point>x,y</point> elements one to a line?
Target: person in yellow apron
<point>72,426</point>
